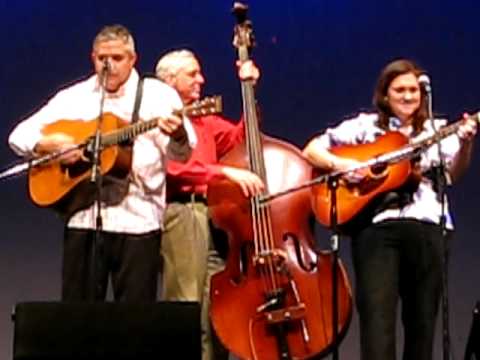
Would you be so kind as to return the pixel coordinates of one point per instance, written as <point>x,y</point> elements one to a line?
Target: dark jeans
<point>130,259</point>
<point>398,259</point>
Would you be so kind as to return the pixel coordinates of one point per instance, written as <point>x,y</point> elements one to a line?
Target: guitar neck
<point>408,151</point>
<point>128,132</point>
<point>443,133</point>
<point>207,106</point>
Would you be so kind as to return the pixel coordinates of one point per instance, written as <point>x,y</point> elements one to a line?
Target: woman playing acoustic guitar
<point>397,242</point>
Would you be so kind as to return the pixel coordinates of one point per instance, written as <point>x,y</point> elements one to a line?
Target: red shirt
<point>216,136</point>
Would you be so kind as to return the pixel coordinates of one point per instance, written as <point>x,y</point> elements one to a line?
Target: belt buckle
<point>198,197</point>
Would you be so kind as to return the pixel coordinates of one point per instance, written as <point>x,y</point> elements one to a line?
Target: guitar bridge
<point>296,312</point>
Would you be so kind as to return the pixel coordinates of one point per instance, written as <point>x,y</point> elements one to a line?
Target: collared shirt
<point>141,209</point>
<point>425,205</point>
<point>216,136</point>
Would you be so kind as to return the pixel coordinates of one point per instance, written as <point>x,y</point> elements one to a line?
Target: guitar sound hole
<point>77,169</point>
<point>378,169</point>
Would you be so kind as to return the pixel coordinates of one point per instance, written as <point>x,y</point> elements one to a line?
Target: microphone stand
<point>441,182</point>
<point>472,350</point>
<point>332,182</point>
<point>33,162</point>
<point>97,179</point>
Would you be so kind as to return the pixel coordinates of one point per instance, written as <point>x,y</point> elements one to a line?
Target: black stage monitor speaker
<point>472,351</point>
<point>104,331</point>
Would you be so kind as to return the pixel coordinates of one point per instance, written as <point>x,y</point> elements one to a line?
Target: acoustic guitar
<point>388,166</point>
<point>67,189</point>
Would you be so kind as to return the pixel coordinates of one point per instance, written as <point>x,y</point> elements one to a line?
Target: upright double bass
<point>274,298</point>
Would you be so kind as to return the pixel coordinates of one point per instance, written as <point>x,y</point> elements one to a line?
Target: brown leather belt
<point>185,198</point>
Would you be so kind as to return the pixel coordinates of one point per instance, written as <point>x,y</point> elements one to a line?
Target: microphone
<point>424,82</point>
<point>104,72</point>
<point>106,65</point>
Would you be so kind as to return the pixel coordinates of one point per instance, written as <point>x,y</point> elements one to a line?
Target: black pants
<point>131,260</point>
<point>398,259</point>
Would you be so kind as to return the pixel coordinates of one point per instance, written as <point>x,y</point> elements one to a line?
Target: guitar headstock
<point>207,106</point>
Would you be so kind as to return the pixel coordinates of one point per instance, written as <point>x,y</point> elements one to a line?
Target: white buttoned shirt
<point>141,209</point>
<point>425,205</point>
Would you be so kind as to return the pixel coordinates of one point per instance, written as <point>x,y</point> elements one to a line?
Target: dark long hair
<point>380,101</point>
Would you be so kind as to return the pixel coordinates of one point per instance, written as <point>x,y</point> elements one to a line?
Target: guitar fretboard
<point>442,133</point>
<point>127,133</point>
<point>207,106</point>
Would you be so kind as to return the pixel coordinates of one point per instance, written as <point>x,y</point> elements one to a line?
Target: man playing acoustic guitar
<point>127,249</point>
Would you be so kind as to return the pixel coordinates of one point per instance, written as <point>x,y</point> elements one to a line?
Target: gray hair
<point>115,32</point>
<point>172,62</point>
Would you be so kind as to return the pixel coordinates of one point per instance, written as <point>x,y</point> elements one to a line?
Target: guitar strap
<point>138,100</point>
<point>121,185</point>
<point>136,109</point>
<point>393,199</point>
<point>433,174</point>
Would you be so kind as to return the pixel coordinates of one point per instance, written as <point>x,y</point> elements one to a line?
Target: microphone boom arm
<point>406,152</point>
<point>26,165</point>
